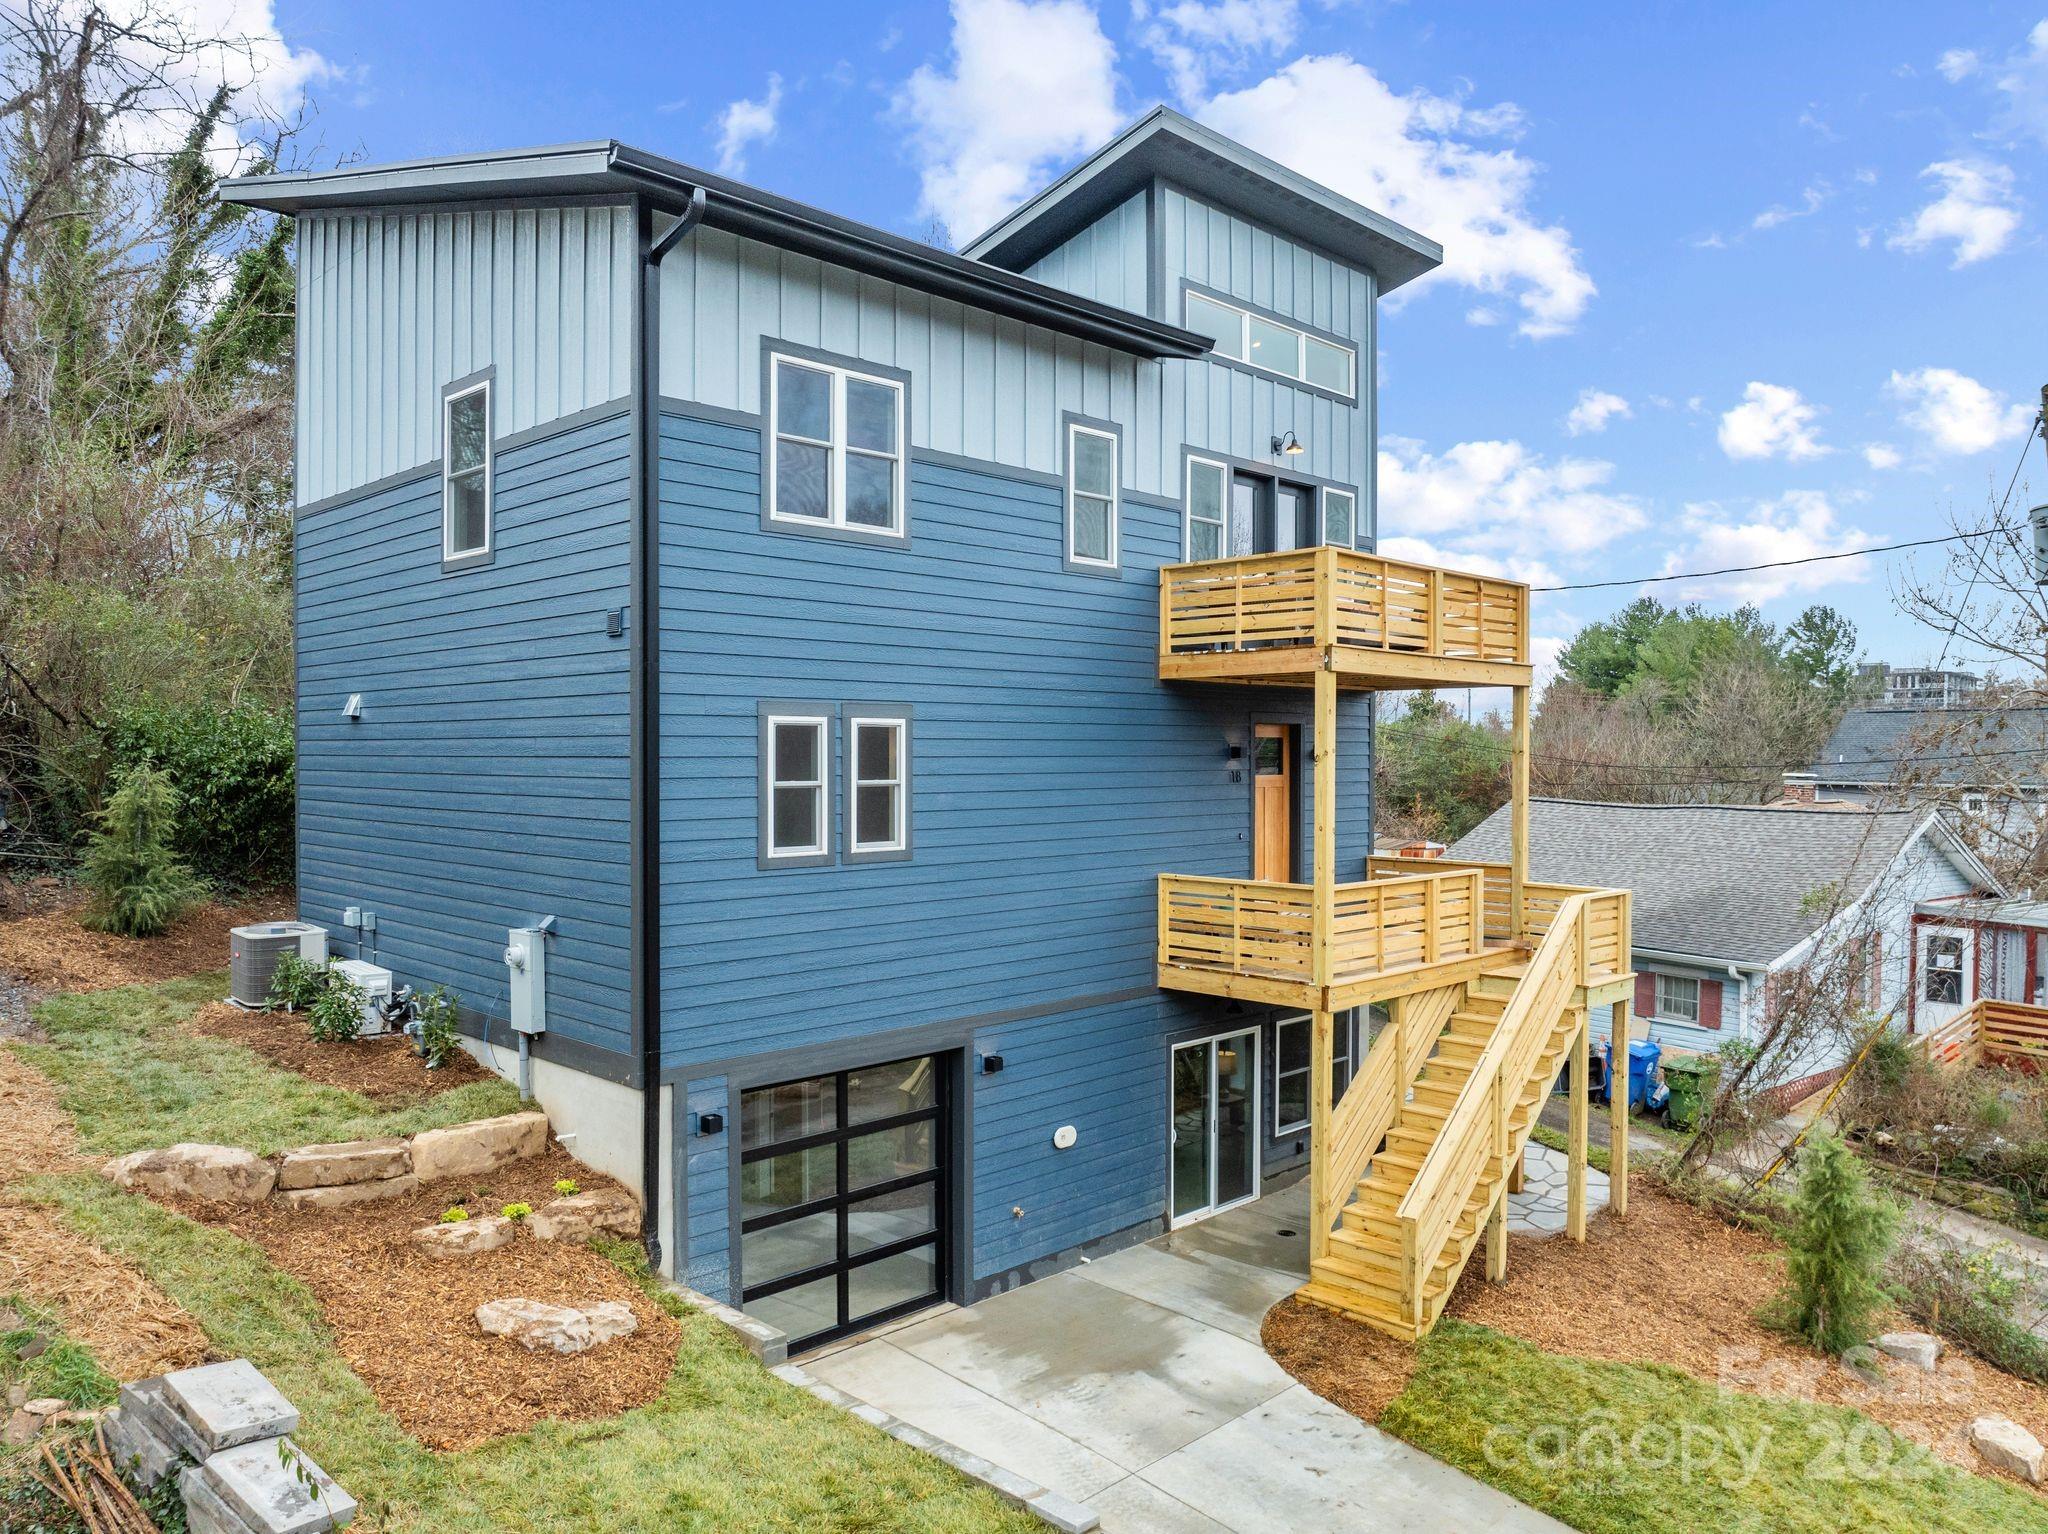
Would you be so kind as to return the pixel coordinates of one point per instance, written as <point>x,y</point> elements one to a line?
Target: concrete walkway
<point>1136,1385</point>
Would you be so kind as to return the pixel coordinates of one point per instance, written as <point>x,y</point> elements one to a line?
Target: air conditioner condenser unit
<point>253,952</point>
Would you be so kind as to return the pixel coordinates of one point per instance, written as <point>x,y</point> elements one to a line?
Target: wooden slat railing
<point>1986,1028</point>
<point>1330,595</point>
<point>1955,1042</point>
<point>1608,934</point>
<point>1372,1102</point>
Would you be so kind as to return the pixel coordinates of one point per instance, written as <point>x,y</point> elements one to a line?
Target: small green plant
<point>438,1040</point>
<point>1835,1251</point>
<point>336,1015</point>
<point>297,983</point>
<point>567,1185</point>
<point>138,885</point>
<point>454,1214</point>
<point>516,1212</point>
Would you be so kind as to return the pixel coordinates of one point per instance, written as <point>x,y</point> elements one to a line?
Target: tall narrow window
<point>1340,518</point>
<point>837,462</point>
<point>466,472</point>
<point>1091,497</point>
<point>1208,483</point>
<point>796,773</point>
<point>878,798</point>
<point>1293,1042</point>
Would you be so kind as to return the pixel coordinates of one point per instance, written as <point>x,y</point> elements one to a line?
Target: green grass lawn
<point>726,1446</point>
<point>1620,1448</point>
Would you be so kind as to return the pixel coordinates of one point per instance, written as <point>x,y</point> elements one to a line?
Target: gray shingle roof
<point>1937,746</point>
<point>1720,881</point>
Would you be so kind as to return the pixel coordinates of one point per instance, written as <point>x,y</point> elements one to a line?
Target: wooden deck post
<point>1497,1240</point>
<point>1617,1118</point>
<point>1321,1048</point>
<point>1575,1175</point>
<point>1518,820</point>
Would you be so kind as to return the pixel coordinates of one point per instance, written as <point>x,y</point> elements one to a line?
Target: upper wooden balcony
<point>1383,624</point>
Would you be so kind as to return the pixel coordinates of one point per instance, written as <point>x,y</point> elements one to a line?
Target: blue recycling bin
<point>1643,1056</point>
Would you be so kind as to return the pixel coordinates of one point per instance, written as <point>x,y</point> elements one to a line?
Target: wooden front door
<point>1273,803</point>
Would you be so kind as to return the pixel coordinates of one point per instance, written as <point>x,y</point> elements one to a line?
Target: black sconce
<point>710,1123</point>
<point>1288,445</point>
<point>990,1064</point>
<point>1233,753</point>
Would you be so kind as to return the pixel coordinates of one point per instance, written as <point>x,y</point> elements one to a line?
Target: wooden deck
<point>1376,623</point>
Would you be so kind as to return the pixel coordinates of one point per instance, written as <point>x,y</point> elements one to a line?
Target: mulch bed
<point>53,951</point>
<point>1672,1284</point>
<point>386,1070</point>
<point>406,1322</point>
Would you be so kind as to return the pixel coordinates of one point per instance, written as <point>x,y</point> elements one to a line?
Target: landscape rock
<point>348,1161</point>
<point>228,1404</point>
<point>46,1406</point>
<point>601,1211</point>
<point>465,1238</point>
<point>21,1428</point>
<point>563,1328</point>
<point>2007,1446</point>
<point>1920,1349</point>
<point>215,1174</point>
<point>466,1150</point>
<point>349,1193</point>
<point>17,1396</point>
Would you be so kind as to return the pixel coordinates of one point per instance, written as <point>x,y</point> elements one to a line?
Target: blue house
<point>896,698</point>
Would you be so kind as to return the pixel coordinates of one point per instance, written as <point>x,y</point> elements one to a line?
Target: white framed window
<point>1678,998</point>
<point>1340,518</point>
<point>796,778</point>
<point>878,785</point>
<point>1208,492</point>
<point>1272,345</point>
<point>466,472</point>
<point>836,460</point>
<point>1092,476</point>
<point>1293,1041</point>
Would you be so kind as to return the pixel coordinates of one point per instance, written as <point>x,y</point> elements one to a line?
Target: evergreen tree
<point>138,885</point>
<point>1835,1254</point>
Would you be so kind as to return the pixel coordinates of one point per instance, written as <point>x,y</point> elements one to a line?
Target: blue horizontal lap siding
<point>1053,777</point>
<point>486,783</point>
<point>706,1181</point>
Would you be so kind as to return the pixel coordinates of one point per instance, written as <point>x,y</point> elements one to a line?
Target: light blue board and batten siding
<point>392,306</point>
<point>985,388</point>
<point>1052,778</point>
<point>1109,260</point>
<point>486,784</point>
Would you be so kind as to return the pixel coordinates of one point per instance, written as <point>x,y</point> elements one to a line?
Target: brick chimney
<point>1800,788</point>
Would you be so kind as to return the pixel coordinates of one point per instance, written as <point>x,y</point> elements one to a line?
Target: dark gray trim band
<point>672,404</point>
<point>555,1048</point>
<point>589,415</point>
<point>938,460</point>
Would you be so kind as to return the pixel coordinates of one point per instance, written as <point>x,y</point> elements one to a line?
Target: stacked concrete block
<point>229,1429</point>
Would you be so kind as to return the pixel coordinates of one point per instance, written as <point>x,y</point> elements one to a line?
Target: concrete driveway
<point>1137,1385</point>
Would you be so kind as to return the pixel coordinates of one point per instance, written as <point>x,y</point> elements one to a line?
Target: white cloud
<point>1958,63</point>
<point>1953,412</point>
<point>1416,158</point>
<point>1030,84</point>
<point>1772,421</point>
<point>1976,210</point>
<point>2021,81</point>
<point>1595,408</point>
<point>1194,40</point>
<point>1882,455</point>
<point>1446,557</point>
<point>745,123</point>
<point>1811,201</point>
<point>1796,525</point>
<point>1499,504</point>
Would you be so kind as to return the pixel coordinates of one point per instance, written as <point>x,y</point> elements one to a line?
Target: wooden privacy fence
<point>1340,596</point>
<point>2007,1029</point>
<point>1607,933</point>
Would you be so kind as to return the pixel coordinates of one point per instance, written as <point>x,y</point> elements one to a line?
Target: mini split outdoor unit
<point>254,951</point>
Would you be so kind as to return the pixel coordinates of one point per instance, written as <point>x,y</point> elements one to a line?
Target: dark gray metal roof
<point>1722,882</point>
<point>1950,747</point>
<point>607,168</point>
<point>1164,145</point>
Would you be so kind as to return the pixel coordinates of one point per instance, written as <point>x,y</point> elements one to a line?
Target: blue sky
<point>1723,283</point>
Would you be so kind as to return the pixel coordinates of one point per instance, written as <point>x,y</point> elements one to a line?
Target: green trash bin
<point>1693,1080</point>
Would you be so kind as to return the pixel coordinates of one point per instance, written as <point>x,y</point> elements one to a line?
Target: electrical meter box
<point>526,979</point>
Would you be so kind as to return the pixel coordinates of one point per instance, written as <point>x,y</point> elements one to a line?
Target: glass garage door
<point>843,1198</point>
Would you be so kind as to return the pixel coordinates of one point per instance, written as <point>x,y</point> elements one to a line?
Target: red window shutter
<point>1710,1004</point>
<point>1646,994</point>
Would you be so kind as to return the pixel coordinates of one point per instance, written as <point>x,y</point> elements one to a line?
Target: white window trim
<point>1352,497</point>
<point>900,783</point>
<point>1116,510</point>
<point>1187,502</point>
<point>1302,338</point>
<point>837,450</point>
<point>821,725</point>
<point>449,553</point>
<point>1675,1017</point>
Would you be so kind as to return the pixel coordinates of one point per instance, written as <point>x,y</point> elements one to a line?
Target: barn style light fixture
<point>1289,444</point>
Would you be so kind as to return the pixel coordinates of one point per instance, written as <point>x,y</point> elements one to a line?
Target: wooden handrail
<point>1372,1102</point>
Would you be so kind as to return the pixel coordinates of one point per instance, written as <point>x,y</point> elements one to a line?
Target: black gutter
<point>645,770</point>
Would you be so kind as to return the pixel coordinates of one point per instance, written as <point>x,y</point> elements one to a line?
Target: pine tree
<point>139,887</point>
<point>1835,1254</point>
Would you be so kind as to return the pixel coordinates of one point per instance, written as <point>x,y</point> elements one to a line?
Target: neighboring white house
<point>1731,902</point>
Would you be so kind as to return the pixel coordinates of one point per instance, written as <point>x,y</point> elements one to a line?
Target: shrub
<point>297,983</point>
<point>438,1040</point>
<point>454,1214</point>
<point>1972,1296</point>
<point>567,1185</point>
<point>336,1015</point>
<point>516,1212</point>
<point>138,885</point>
<point>232,768</point>
<point>1841,1233</point>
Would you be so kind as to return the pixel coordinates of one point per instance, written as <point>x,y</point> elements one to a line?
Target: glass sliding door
<point>1215,1125</point>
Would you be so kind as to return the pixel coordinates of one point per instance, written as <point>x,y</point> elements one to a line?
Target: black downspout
<point>645,771</point>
